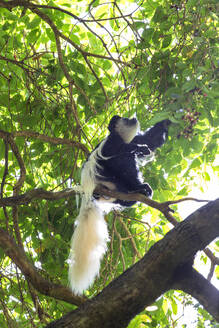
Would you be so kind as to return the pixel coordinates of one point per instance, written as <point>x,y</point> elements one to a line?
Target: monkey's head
<point>126,128</point>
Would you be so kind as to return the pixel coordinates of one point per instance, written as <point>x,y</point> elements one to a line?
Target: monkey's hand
<point>163,125</point>
<point>144,189</point>
<point>147,191</point>
<point>142,150</point>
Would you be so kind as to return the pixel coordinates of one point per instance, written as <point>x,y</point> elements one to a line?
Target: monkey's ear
<point>112,123</point>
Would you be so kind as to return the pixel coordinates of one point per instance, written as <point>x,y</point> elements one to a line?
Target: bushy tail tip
<point>88,245</point>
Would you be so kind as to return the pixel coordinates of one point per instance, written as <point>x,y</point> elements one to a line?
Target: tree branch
<point>193,283</point>
<point>40,193</point>
<point>6,136</point>
<point>27,197</point>
<point>53,140</point>
<point>17,255</point>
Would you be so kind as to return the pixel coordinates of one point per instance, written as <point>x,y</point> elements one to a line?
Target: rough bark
<point>161,269</point>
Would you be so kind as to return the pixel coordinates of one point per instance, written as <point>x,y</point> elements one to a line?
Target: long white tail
<point>88,245</point>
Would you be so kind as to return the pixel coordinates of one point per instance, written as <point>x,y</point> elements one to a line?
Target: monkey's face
<point>125,127</point>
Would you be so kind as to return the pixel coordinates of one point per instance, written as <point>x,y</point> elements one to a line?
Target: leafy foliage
<point>67,67</point>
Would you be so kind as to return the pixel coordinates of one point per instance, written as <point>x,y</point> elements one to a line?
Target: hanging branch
<point>18,256</point>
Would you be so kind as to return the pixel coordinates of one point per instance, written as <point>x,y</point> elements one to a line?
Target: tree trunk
<point>167,265</point>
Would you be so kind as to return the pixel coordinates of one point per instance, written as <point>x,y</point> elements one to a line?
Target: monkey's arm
<point>139,150</point>
<point>155,136</point>
<point>114,146</point>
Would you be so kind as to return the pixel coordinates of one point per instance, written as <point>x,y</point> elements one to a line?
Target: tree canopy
<point>66,67</point>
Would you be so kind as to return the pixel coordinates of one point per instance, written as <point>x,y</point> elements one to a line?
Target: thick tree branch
<point>31,273</point>
<point>26,198</point>
<point>154,274</point>
<point>193,283</point>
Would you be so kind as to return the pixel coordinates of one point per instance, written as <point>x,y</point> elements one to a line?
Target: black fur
<point>155,136</point>
<point>120,166</point>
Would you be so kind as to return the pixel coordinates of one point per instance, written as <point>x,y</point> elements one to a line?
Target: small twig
<point>211,272</point>
<point>16,189</point>
<point>211,256</point>
<point>214,261</point>
<point>171,202</point>
<point>130,236</point>
<point>6,167</point>
<point>120,248</point>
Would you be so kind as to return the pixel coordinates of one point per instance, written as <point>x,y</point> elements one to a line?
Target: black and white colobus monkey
<point>113,164</point>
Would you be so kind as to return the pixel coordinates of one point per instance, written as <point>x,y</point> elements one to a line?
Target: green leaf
<point>158,15</point>
<point>174,306</point>
<point>33,35</point>
<point>195,163</point>
<point>197,145</point>
<point>189,85</point>
<point>75,39</point>
<point>34,23</point>
<point>167,41</point>
<point>50,34</point>
<point>147,34</point>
